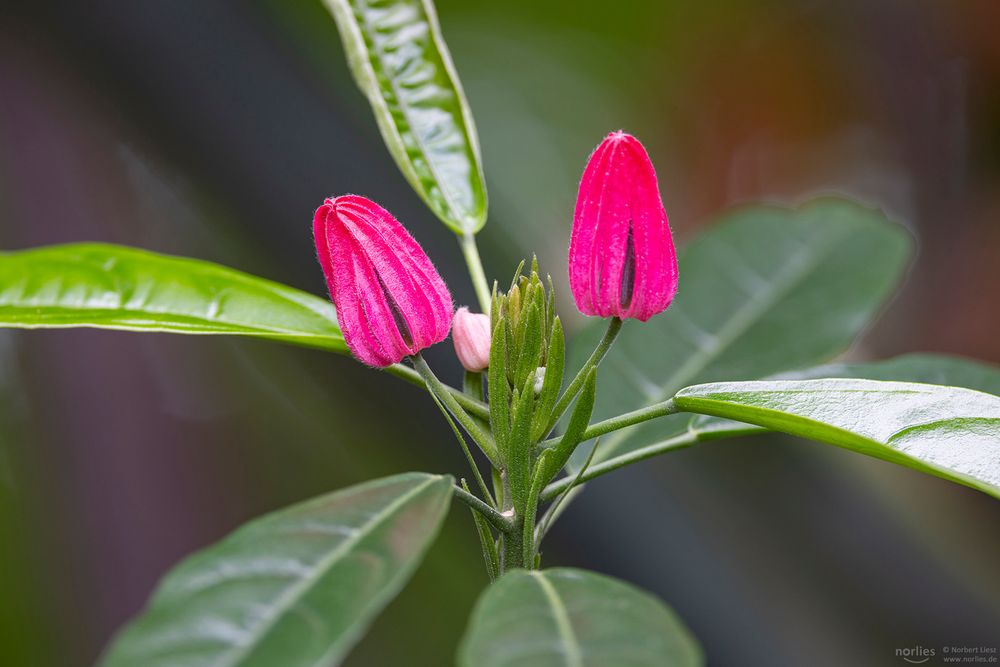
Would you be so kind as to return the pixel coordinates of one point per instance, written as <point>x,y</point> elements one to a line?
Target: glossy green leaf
<point>764,290</point>
<point>927,368</point>
<point>400,62</point>
<point>945,431</point>
<point>566,617</point>
<point>295,588</point>
<point>116,287</point>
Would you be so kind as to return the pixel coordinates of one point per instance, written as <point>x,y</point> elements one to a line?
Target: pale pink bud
<point>621,255</point>
<point>391,302</point>
<point>471,333</point>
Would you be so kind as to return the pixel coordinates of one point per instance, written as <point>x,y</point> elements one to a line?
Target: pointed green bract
<point>399,60</point>
<point>521,446</point>
<point>578,422</point>
<point>499,390</point>
<point>117,287</point>
<point>296,588</point>
<point>555,360</point>
<point>565,617</point>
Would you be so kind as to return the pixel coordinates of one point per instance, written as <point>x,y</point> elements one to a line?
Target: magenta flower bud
<point>471,334</point>
<point>390,300</point>
<point>621,255</point>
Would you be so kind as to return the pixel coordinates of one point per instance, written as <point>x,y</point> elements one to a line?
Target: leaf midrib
<point>404,109</point>
<point>561,615</point>
<point>288,599</point>
<point>738,325</point>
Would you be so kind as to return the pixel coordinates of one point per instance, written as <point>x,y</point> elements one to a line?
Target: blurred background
<point>214,128</point>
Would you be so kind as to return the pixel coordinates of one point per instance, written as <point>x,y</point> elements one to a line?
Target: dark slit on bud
<point>397,314</point>
<point>628,270</point>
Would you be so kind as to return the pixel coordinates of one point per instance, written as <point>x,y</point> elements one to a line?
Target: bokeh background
<point>214,128</point>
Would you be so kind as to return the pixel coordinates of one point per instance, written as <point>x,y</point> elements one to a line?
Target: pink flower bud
<point>471,333</point>
<point>390,300</point>
<point>621,255</point>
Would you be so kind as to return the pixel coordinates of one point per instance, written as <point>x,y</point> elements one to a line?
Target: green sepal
<point>486,542</point>
<point>555,364</point>
<point>520,446</point>
<point>578,422</point>
<point>531,509</point>
<point>517,274</point>
<point>499,391</point>
<point>530,351</point>
<point>514,306</point>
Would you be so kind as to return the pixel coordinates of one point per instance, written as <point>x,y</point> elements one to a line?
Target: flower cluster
<point>392,303</point>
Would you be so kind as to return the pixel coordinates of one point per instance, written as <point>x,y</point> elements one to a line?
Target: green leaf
<point>566,617</point>
<point>399,60</point>
<point>551,383</point>
<point>116,287</point>
<point>577,424</point>
<point>520,446</point>
<point>927,368</point>
<point>295,588</point>
<point>499,390</point>
<point>764,290</point>
<point>945,431</point>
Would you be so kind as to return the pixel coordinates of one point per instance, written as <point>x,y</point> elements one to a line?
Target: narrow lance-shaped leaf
<point>764,290</point>
<point>116,287</point>
<point>296,588</point>
<point>520,445</point>
<point>499,390</point>
<point>578,422</point>
<point>555,360</point>
<point>531,509</point>
<point>945,431</point>
<point>399,59</point>
<point>566,617</point>
<point>531,344</point>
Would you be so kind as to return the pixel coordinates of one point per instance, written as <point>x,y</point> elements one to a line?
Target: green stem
<point>678,442</point>
<point>465,448</point>
<point>477,408</point>
<point>451,401</point>
<point>497,520</point>
<point>471,252</point>
<point>621,421</point>
<point>513,547</point>
<point>614,326</point>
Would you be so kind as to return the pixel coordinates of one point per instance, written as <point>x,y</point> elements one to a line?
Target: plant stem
<point>621,421</point>
<point>677,442</point>
<point>614,326</point>
<point>467,422</point>
<point>513,547</point>
<point>477,408</point>
<point>471,252</point>
<point>497,520</point>
<point>465,448</point>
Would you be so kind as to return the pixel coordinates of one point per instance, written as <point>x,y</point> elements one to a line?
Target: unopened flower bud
<point>471,333</point>
<point>391,302</point>
<point>539,379</point>
<point>621,255</point>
